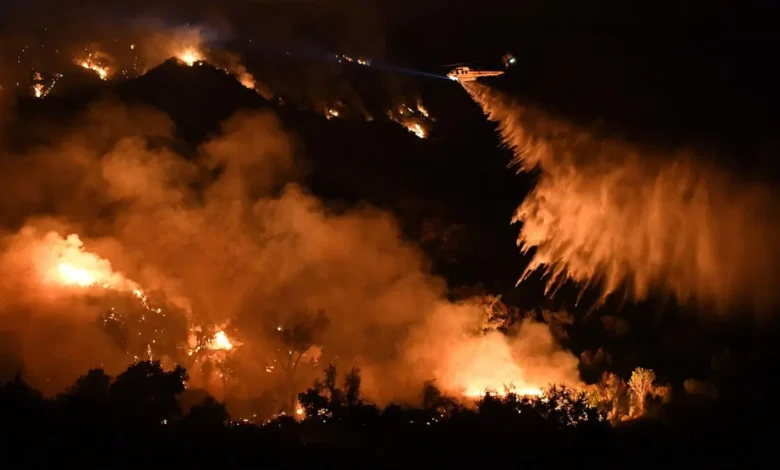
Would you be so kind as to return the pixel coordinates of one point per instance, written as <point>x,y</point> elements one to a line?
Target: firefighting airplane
<point>465,74</point>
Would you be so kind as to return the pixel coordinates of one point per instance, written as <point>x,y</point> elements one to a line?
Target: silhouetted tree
<point>209,414</point>
<point>569,407</point>
<point>147,395</point>
<point>19,403</point>
<point>352,387</point>
<point>296,340</point>
<point>87,401</point>
<point>335,395</point>
<point>433,399</point>
<point>325,398</point>
<point>93,386</point>
<point>313,401</point>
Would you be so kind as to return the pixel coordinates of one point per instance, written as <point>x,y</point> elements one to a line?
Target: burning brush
<point>96,62</point>
<point>43,84</point>
<point>145,330</point>
<point>190,56</point>
<point>415,120</point>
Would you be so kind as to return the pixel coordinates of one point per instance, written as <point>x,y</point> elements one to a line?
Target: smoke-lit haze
<point>232,241</point>
<point>606,211</point>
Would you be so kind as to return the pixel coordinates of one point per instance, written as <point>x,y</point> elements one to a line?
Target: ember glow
<point>608,213</point>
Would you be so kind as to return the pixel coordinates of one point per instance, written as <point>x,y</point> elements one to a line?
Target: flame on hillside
<point>414,120</point>
<point>65,262</point>
<point>198,272</point>
<point>247,80</point>
<point>41,86</point>
<point>220,342</point>
<point>96,63</point>
<point>417,130</point>
<point>190,56</point>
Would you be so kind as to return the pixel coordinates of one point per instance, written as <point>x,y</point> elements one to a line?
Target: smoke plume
<point>229,238</point>
<point>611,213</point>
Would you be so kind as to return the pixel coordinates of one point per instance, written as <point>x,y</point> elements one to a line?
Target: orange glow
<point>413,120</point>
<point>422,110</point>
<point>190,56</point>
<point>417,130</point>
<point>479,391</point>
<point>72,275</point>
<point>221,342</point>
<point>40,88</point>
<point>65,262</point>
<point>488,363</point>
<point>90,63</point>
<point>247,80</point>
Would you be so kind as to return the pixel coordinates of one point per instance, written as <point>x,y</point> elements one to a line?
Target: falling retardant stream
<point>608,213</point>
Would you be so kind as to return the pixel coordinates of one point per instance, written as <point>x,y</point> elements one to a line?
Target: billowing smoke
<point>227,239</point>
<point>609,213</point>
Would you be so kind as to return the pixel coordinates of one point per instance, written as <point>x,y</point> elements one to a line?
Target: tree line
<point>144,416</point>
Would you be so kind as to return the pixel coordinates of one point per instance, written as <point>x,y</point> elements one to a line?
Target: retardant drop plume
<point>242,256</point>
<point>609,212</point>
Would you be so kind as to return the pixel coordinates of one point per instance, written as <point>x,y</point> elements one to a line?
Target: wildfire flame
<point>90,63</point>
<point>247,80</point>
<point>67,263</point>
<point>417,130</point>
<point>479,391</point>
<point>42,87</point>
<point>422,110</point>
<point>220,342</point>
<point>190,56</point>
<point>413,120</point>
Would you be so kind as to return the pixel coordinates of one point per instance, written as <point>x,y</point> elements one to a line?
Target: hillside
<point>451,191</point>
